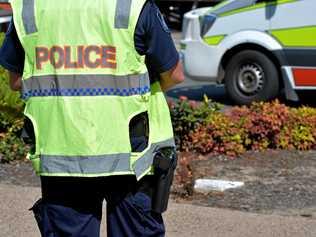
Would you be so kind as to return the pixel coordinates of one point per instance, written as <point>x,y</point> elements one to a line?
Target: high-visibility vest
<point>83,82</point>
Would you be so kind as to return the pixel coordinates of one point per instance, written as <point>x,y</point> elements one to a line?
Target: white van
<point>254,47</point>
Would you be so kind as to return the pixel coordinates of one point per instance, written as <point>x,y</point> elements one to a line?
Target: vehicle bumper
<point>298,78</point>
<point>201,61</point>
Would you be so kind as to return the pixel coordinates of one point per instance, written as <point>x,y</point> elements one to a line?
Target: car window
<point>234,5</point>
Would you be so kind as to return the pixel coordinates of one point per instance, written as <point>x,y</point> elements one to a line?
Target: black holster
<point>38,211</point>
<point>165,163</point>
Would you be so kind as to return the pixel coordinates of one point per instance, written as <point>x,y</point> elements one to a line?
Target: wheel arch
<point>253,46</point>
<point>257,40</point>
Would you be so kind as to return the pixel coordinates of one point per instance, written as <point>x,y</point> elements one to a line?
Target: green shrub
<point>11,120</point>
<point>188,115</point>
<point>10,103</point>
<point>11,146</point>
<point>262,122</point>
<point>1,37</point>
<point>220,135</point>
<point>258,127</point>
<point>300,130</point>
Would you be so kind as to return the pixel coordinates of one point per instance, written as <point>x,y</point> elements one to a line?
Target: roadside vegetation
<point>11,121</point>
<point>205,129</point>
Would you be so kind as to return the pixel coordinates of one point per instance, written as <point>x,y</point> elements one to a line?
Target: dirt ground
<point>19,173</point>
<point>276,182</point>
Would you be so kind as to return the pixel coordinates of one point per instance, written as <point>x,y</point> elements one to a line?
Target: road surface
<point>181,220</point>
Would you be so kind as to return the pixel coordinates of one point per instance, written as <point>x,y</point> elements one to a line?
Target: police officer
<point>92,75</point>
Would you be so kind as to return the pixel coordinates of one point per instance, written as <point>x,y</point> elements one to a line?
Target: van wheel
<point>251,76</point>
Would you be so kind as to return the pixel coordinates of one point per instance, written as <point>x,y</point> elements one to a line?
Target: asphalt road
<point>181,219</point>
<point>196,90</point>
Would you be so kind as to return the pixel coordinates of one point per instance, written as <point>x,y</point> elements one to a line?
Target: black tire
<point>251,76</point>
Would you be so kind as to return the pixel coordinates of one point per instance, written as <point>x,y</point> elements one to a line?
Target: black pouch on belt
<point>165,163</point>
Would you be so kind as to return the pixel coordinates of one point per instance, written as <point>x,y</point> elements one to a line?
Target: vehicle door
<point>235,17</point>
<point>293,24</point>
<point>291,21</point>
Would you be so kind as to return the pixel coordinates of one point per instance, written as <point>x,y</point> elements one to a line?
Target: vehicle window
<point>234,5</point>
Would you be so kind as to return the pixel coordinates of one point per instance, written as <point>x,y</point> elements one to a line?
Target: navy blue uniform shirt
<point>152,38</point>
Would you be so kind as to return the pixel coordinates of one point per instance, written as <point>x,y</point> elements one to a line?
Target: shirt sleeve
<point>153,39</point>
<point>12,54</point>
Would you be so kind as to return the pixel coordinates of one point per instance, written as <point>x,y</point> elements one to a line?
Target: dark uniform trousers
<point>72,207</point>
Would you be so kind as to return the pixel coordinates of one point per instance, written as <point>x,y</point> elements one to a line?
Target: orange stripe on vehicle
<point>5,6</point>
<point>304,77</point>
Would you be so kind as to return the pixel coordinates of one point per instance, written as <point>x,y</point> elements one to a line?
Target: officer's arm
<point>15,81</point>
<point>172,77</point>
<point>12,57</point>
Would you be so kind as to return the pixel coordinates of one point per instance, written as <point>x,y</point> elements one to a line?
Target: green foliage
<point>1,37</point>
<point>258,127</point>
<point>188,115</point>
<point>219,135</point>
<point>302,134</point>
<point>11,146</point>
<point>11,120</point>
<point>11,105</point>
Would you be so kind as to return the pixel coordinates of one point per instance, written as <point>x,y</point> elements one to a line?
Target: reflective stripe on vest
<point>85,85</point>
<point>85,164</point>
<point>146,161</point>
<point>99,165</point>
<point>122,13</point>
<point>28,16</point>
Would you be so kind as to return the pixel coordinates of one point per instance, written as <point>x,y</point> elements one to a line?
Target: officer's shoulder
<point>153,14</point>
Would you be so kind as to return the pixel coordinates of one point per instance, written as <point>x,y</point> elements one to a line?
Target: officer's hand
<point>172,77</point>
